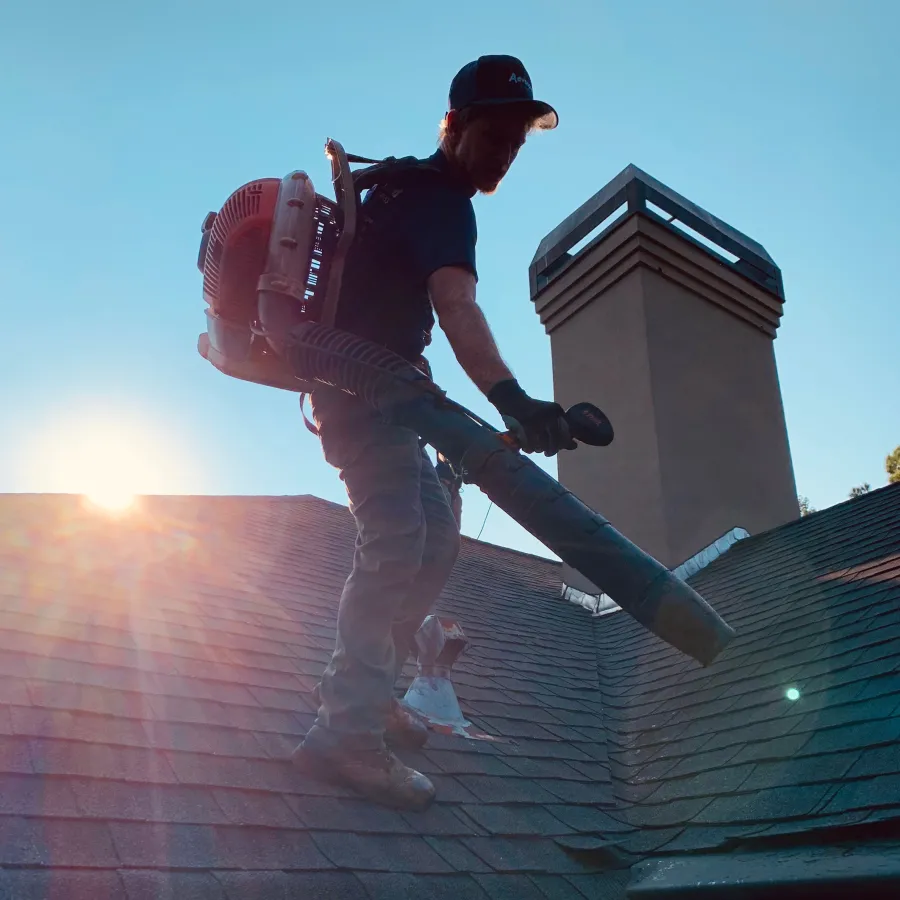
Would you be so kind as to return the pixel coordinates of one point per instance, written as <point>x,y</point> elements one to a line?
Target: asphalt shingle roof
<point>708,758</point>
<point>155,675</point>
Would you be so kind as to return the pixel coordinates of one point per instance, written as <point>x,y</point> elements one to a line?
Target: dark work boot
<point>375,774</point>
<point>404,729</point>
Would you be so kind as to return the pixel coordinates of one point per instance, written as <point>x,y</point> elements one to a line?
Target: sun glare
<point>108,459</point>
<point>112,499</point>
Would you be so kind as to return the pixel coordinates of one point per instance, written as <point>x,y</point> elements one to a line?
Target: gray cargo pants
<point>406,546</point>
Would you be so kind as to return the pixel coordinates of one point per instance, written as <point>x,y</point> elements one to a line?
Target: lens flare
<point>792,694</point>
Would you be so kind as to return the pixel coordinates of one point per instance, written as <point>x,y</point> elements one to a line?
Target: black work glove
<point>540,426</point>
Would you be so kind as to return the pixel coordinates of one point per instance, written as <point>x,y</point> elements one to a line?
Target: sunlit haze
<point>106,455</point>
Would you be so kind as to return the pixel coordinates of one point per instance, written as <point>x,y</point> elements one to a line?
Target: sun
<point>110,465</point>
<point>112,498</point>
<point>108,457</point>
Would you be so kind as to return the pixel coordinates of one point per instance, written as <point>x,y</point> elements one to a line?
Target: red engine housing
<point>272,259</point>
<point>233,256</point>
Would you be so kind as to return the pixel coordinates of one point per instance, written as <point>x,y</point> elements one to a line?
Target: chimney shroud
<point>676,343</point>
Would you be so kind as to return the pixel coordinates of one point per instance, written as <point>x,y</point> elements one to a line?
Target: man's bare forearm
<point>467,330</point>
<point>473,343</point>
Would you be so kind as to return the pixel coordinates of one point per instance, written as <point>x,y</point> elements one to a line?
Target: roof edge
<point>863,498</point>
<point>861,871</point>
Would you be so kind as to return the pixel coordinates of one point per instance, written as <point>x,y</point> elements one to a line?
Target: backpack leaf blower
<point>272,261</point>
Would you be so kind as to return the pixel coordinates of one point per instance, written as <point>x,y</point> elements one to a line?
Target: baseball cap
<point>499,80</point>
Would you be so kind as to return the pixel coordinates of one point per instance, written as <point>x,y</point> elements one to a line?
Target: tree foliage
<point>892,466</point>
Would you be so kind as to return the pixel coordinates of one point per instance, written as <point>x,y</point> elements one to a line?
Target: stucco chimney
<point>675,342</point>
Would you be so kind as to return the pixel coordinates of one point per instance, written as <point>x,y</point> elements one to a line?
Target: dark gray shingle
<point>136,742</point>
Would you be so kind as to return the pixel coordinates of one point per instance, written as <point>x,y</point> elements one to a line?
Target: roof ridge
<point>512,550</point>
<point>748,544</point>
<point>311,498</point>
<point>467,538</point>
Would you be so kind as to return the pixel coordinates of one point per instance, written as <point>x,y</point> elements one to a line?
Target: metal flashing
<point>602,604</point>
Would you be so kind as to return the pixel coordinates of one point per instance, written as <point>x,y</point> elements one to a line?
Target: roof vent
<point>440,642</point>
<point>603,604</point>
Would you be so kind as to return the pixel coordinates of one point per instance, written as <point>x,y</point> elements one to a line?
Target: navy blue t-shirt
<point>413,224</point>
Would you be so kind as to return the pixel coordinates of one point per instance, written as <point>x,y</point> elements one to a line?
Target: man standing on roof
<point>414,256</point>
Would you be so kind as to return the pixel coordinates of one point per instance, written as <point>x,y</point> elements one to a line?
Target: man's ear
<point>452,121</point>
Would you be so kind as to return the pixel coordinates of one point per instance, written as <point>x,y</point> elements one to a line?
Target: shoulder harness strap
<point>363,179</point>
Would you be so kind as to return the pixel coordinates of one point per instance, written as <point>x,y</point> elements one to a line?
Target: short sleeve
<point>442,231</point>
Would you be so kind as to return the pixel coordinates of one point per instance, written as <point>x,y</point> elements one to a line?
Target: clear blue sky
<point>122,124</point>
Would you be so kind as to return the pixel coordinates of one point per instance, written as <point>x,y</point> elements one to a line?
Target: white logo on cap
<point>519,79</point>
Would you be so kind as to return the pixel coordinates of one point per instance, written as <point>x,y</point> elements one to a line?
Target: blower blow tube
<point>638,583</point>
